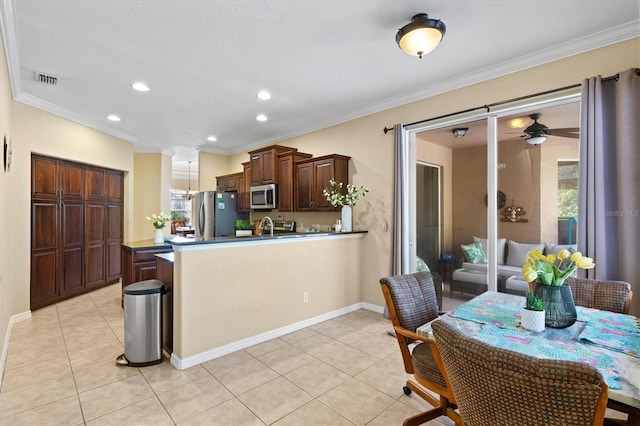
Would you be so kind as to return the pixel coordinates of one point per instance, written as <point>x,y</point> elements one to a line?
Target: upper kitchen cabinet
<point>312,176</point>
<point>286,177</point>
<point>244,199</point>
<point>264,164</point>
<point>232,182</point>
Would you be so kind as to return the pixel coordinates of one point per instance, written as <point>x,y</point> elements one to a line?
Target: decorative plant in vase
<point>548,274</point>
<point>335,197</point>
<point>532,316</point>
<point>158,222</point>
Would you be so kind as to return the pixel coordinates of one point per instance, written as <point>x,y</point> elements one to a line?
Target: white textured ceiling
<point>324,62</point>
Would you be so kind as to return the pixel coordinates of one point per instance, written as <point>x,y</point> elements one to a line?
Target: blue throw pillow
<point>474,253</point>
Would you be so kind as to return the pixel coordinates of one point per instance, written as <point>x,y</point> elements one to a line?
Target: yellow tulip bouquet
<point>552,270</point>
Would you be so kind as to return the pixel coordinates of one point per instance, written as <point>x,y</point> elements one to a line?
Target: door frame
<point>491,114</point>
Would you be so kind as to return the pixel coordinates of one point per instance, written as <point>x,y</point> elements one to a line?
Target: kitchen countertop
<point>143,244</point>
<point>186,241</point>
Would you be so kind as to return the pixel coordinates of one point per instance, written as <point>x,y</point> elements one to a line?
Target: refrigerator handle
<point>201,219</point>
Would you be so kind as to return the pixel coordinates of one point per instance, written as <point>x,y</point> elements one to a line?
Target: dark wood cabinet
<point>264,164</point>
<point>244,193</point>
<point>73,225</point>
<point>286,178</point>
<point>139,260</point>
<point>231,182</point>
<point>313,175</point>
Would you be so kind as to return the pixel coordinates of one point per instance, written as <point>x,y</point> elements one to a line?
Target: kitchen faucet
<point>268,219</point>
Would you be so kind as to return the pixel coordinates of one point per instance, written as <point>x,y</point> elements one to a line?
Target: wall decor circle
<point>502,199</point>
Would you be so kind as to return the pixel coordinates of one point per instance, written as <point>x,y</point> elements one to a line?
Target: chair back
<point>413,300</point>
<point>613,296</point>
<point>494,386</point>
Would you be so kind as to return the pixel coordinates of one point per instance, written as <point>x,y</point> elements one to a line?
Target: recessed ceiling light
<point>212,138</point>
<point>113,117</point>
<point>264,95</point>
<point>140,86</point>
<point>261,117</point>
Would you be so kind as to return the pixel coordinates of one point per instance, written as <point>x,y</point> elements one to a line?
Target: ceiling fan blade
<point>568,132</point>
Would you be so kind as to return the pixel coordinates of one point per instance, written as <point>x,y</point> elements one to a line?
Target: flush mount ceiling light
<point>459,132</point>
<point>212,138</point>
<point>261,117</point>
<point>421,35</point>
<point>113,117</point>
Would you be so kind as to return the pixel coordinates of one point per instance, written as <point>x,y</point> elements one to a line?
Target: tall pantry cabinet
<point>76,228</point>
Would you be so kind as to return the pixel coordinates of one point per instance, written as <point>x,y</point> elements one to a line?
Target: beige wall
<point>151,193</point>
<point>212,165</point>
<point>362,139</point>
<point>9,288</point>
<point>328,269</point>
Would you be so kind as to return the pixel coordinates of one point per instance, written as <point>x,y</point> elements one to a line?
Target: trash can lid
<point>145,287</point>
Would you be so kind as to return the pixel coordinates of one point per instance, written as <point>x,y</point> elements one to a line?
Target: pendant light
<point>188,194</point>
<point>421,35</point>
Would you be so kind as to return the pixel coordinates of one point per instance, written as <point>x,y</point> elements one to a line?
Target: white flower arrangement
<point>158,221</point>
<point>336,198</point>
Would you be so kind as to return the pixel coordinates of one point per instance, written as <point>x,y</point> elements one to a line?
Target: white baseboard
<point>220,351</point>
<point>5,346</point>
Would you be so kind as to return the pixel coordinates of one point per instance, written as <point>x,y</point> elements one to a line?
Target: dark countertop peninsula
<point>187,241</point>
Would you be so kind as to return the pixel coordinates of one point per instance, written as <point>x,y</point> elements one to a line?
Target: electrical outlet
<point>305,297</point>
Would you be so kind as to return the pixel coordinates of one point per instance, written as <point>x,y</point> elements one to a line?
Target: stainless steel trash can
<point>142,323</point>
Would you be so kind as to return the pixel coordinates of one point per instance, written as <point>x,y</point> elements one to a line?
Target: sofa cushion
<point>500,245</point>
<point>474,253</point>
<point>550,248</point>
<point>517,252</point>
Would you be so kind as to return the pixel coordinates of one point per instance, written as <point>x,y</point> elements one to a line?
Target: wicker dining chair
<point>411,300</point>
<point>495,386</point>
<point>614,296</point>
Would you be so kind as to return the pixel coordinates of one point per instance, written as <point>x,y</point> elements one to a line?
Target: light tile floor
<point>61,370</point>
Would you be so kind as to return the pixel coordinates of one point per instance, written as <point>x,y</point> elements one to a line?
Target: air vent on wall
<point>45,78</point>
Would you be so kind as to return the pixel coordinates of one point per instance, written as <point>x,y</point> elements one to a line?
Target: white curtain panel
<point>609,200</point>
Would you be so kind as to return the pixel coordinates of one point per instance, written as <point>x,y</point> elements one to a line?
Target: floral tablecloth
<point>579,343</point>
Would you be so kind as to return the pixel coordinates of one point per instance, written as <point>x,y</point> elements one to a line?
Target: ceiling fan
<point>537,132</point>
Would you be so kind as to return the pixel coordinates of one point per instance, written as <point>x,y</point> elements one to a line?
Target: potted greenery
<point>244,228</point>
<point>532,316</point>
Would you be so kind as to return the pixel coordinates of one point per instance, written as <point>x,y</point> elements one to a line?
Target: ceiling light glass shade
<point>421,35</point>
<point>261,117</point>
<point>212,138</point>
<point>536,140</point>
<point>113,117</point>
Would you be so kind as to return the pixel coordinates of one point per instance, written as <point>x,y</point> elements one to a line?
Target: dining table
<point>607,340</point>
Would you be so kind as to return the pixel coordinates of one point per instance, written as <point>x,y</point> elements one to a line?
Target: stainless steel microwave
<point>264,196</point>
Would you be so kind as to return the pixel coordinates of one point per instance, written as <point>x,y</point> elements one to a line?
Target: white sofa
<point>511,256</point>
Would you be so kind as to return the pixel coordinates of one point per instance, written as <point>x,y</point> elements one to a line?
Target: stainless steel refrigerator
<point>216,214</point>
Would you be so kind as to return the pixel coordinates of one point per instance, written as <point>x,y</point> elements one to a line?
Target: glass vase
<point>559,307</point>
